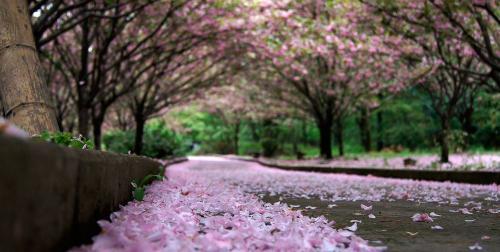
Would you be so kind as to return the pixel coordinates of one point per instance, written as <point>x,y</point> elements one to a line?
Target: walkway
<point>212,204</point>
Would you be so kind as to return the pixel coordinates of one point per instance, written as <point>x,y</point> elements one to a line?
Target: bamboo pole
<point>23,91</point>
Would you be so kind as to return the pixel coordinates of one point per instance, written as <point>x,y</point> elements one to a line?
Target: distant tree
<point>197,53</point>
<point>53,18</point>
<point>470,22</point>
<point>321,58</point>
<point>457,69</point>
<point>98,56</point>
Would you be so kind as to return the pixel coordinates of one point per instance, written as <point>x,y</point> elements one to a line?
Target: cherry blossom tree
<point>457,69</point>
<point>473,23</point>
<point>51,19</point>
<point>99,66</point>
<point>197,53</point>
<point>321,58</point>
<point>173,83</point>
<point>236,101</point>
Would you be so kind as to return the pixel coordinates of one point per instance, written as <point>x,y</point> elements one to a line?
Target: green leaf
<point>138,193</point>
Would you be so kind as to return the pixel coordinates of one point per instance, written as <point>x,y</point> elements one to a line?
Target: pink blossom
<point>421,217</point>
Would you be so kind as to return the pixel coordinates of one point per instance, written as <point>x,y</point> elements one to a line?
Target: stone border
<point>52,196</point>
<point>469,177</point>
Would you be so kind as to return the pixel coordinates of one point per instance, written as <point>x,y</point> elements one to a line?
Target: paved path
<point>215,204</point>
<point>393,226</point>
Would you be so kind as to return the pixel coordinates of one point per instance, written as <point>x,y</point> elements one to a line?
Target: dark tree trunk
<point>445,134</point>
<point>339,136</point>
<point>82,85</point>
<point>325,134</point>
<point>60,124</point>
<point>380,137</point>
<point>140,122</point>
<point>97,129</point>
<point>83,119</point>
<point>305,138</point>
<point>236,137</point>
<point>467,124</point>
<point>295,139</point>
<point>364,129</point>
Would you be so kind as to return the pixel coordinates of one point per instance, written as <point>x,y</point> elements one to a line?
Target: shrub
<point>118,141</point>
<point>269,147</point>
<point>67,139</point>
<point>158,141</point>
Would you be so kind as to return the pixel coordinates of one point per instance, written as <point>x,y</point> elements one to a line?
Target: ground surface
<point>216,209</point>
<point>392,224</point>
<point>472,162</point>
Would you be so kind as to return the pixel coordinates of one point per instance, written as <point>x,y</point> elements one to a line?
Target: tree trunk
<point>380,137</point>
<point>295,139</point>
<point>82,83</point>
<point>23,91</point>
<point>364,129</point>
<point>339,136</point>
<point>467,125</point>
<point>97,129</point>
<point>236,137</point>
<point>60,123</point>
<point>83,119</point>
<point>325,134</point>
<point>140,122</point>
<point>445,134</point>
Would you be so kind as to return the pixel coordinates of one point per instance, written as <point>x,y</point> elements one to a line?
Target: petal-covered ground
<point>464,161</point>
<point>215,205</point>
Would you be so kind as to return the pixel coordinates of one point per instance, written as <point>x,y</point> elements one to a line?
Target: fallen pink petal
<point>366,208</point>
<point>421,217</point>
<point>476,246</point>
<point>249,125</point>
<point>464,211</point>
<point>353,228</point>
<point>433,214</point>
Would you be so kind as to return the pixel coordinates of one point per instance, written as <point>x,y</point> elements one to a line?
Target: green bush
<point>269,147</point>
<point>67,139</point>
<point>158,141</point>
<point>118,141</point>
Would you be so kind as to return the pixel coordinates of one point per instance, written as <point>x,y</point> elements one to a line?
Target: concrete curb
<point>469,177</point>
<point>52,196</point>
<point>174,161</point>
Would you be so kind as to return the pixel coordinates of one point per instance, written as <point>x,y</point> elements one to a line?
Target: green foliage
<point>67,139</point>
<point>487,122</point>
<point>159,141</point>
<point>269,147</point>
<point>407,123</point>
<point>139,187</point>
<point>118,141</point>
<point>207,131</point>
<point>270,138</point>
<point>409,127</point>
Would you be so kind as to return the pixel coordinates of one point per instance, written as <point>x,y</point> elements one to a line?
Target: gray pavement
<point>393,226</point>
